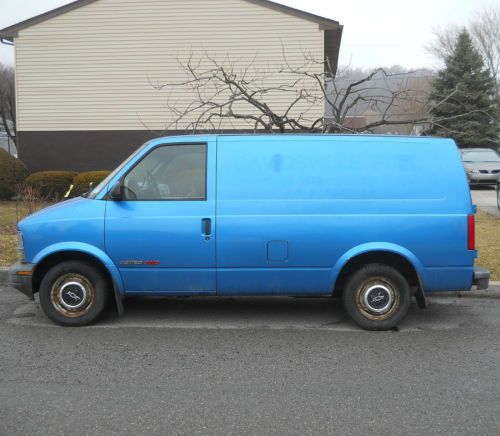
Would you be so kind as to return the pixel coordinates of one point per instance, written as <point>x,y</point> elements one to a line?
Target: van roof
<point>308,135</point>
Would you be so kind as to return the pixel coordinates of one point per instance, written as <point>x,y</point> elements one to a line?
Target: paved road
<point>485,198</point>
<point>284,366</point>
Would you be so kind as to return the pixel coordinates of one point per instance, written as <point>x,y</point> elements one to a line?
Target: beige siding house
<point>85,73</point>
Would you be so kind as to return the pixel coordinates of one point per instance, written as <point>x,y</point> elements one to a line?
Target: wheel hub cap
<point>378,298</point>
<point>72,295</point>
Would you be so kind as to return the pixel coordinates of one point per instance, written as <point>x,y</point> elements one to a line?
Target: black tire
<point>498,196</point>
<point>74,293</point>
<point>376,297</point>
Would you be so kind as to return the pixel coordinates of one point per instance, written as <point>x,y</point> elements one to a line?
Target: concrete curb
<point>4,276</point>
<point>490,210</point>
<point>492,292</point>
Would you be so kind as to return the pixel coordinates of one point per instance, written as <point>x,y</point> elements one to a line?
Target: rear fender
<point>377,246</point>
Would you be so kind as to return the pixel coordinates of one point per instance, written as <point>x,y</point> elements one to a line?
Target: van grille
<point>489,172</point>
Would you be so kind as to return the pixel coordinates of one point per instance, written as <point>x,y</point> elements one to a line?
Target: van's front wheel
<point>377,297</point>
<point>73,293</point>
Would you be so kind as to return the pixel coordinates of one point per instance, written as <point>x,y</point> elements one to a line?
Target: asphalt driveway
<point>259,366</point>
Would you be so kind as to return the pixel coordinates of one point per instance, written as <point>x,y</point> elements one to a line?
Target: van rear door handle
<point>206,226</point>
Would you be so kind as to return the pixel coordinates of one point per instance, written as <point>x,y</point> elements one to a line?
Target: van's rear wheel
<point>73,293</point>
<point>376,297</point>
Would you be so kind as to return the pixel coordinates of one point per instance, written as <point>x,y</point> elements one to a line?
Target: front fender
<point>376,246</point>
<point>87,249</point>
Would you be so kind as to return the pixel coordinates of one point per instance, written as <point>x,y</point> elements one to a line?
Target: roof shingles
<point>11,31</point>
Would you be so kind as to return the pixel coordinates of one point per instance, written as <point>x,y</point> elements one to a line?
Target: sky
<point>376,33</point>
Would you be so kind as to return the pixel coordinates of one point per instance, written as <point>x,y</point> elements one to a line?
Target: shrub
<point>82,182</point>
<point>51,184</point>
<point>12,173</point>
<point>29,200</point>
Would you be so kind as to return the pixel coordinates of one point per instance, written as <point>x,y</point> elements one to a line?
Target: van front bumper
<point>21,277</point>
<point>482,179</point>
<point>481,278</point>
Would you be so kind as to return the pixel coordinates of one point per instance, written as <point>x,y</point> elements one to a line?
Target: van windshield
<point>480,156</point>
<point>93,193</point>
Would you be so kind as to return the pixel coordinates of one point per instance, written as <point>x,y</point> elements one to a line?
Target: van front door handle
<point>206,225</point>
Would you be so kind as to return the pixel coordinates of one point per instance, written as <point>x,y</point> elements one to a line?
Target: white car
<point>482,165</point>
<point>498,193</point>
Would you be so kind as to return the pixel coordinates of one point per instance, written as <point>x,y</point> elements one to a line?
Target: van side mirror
<point>116,193</point>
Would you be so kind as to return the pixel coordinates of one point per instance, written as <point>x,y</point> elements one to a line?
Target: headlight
<point>20,242</point>
<point>472,171</point>
<point>20,245</point>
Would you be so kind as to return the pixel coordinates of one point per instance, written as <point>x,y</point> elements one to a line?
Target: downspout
<point>6,41</point>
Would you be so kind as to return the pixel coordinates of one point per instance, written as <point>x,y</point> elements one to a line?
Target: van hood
<point>60,210</point>
<point>77,220</point>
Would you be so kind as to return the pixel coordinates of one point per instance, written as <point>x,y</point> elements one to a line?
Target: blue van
<point>374,220</point>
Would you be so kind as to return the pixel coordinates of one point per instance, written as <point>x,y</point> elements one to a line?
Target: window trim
<point>205,198</point>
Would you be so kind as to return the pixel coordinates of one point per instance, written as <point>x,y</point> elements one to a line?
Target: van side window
<point>169,172</point>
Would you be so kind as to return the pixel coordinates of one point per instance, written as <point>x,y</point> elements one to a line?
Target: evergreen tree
<point>466,106</point>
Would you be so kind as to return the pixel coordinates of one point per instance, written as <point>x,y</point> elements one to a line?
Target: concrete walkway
<point>485,199</point>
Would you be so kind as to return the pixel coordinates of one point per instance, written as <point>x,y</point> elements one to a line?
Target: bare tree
<point>444,41</point>
<point>385,96</point>
<point>224,92</point>
<point>289,97</point>
<point>8,101</point>
<point>484,28</point>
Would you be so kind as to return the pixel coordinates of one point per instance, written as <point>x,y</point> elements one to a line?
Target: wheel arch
<point>383,253</point>
<point>50,256</point>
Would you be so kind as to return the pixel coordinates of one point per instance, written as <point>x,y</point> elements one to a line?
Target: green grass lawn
<point>487,238</point>
<point>8,237</point>
<point>10,214</point>
<point>488,243</point>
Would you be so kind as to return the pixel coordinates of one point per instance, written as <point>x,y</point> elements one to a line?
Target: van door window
<point>170,172</point>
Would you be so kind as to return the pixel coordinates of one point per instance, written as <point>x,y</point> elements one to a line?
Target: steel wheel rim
<point>72,295</point>
<point>377,299</point>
